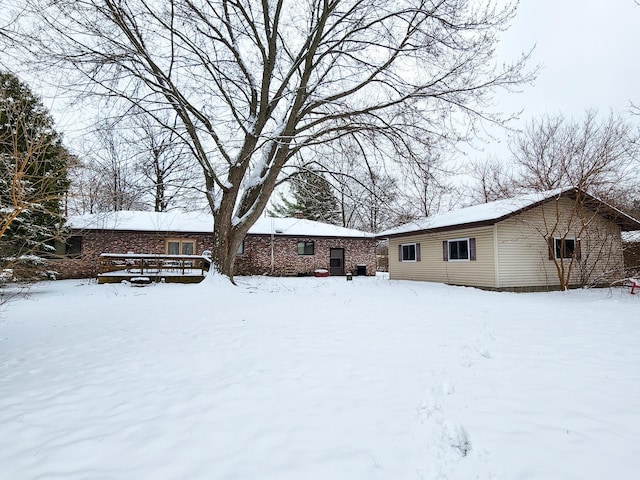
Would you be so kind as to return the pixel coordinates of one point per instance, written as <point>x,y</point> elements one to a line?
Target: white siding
<point>433,268</point>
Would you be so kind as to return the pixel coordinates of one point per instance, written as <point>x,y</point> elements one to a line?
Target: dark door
<point>336,261</point>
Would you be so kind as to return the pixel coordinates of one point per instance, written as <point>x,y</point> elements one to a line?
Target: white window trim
<point>468,259</point>
<point>415,252</point>
<point>575,244</point>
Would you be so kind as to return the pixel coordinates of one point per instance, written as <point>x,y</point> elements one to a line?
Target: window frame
<point>305,244</point>
<point>402,252</point>
<point>180,242</point>
<point>240,250</point>
<point>459,240</point>
<point>558,244</point>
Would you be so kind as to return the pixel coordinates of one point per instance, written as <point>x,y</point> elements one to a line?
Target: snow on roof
<point>302,227</point>
<point>494,212</point>
<point>143,221</point>
<point>485,212</point>
<point>196,222</point>
<point>631,237</point>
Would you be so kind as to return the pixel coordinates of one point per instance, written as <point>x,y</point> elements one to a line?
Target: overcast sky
<point>589,51</point>
<point>589,57</point>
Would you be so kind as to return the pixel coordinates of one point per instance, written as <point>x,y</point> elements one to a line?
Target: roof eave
<point>459,226</point>
<point>626,222</point>
<point>198,232</point>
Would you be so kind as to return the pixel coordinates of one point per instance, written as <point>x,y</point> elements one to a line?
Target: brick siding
<point>256,259</point>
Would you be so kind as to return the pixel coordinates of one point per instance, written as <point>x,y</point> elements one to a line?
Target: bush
<point>26,268</point>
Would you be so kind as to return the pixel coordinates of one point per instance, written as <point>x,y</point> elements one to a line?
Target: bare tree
<point>348,168</point>
<point>8,19</point>
<point>255,82</point>
<point>492,180</point>
<point>425,186</point>
<point>111,173</point>
<point>85,190</point>
<point>368,193</point>
<point>595,155</point>
<point>376,202</point>
<point>168,177</point>
<point>581,160</point>
<point>598,156</point>
<point>132,164</point>
<point>584,247</point>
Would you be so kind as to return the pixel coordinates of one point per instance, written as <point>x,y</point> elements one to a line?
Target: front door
<point>336,261</point>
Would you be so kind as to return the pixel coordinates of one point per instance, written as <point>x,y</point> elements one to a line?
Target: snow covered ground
<point>318,378</point>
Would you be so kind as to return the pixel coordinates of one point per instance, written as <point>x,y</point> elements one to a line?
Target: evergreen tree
<point>33,171</point>
<point>312,198</point>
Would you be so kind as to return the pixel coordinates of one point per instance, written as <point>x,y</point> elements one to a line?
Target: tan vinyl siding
<point>433,268</point>
<point>514,253</point>
<point>523,249</point>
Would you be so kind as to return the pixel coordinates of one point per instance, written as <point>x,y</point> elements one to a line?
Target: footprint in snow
<point>459,441</point>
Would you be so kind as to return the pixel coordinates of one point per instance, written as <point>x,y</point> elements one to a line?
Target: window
<point>71,247</point>
<point>305,248</point>
<point>409,252</point>
<point>180,247</point>
<point>566,248</point>
<point>240,250</point>
<point>459,249</point>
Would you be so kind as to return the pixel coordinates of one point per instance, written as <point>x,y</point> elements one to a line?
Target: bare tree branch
<point>255,83</point>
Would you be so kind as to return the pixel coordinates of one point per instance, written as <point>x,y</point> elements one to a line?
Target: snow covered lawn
<point>318,378</point>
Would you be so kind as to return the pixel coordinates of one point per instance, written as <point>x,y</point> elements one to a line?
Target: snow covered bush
<point>25,268</point>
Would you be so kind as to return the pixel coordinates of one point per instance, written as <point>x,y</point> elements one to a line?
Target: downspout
<point>496,259</point>
<point>272,240</point>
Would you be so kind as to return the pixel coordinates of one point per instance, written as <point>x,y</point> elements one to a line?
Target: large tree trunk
<point>232,219</point>
<point>224,254</point>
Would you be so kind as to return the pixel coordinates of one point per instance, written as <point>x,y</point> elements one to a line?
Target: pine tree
<point>312,198</point>
<point>33,171</point>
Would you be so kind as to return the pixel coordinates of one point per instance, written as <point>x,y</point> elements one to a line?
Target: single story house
<point>273,246</point>
<point>631,245</point>
<point>521,243</point>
